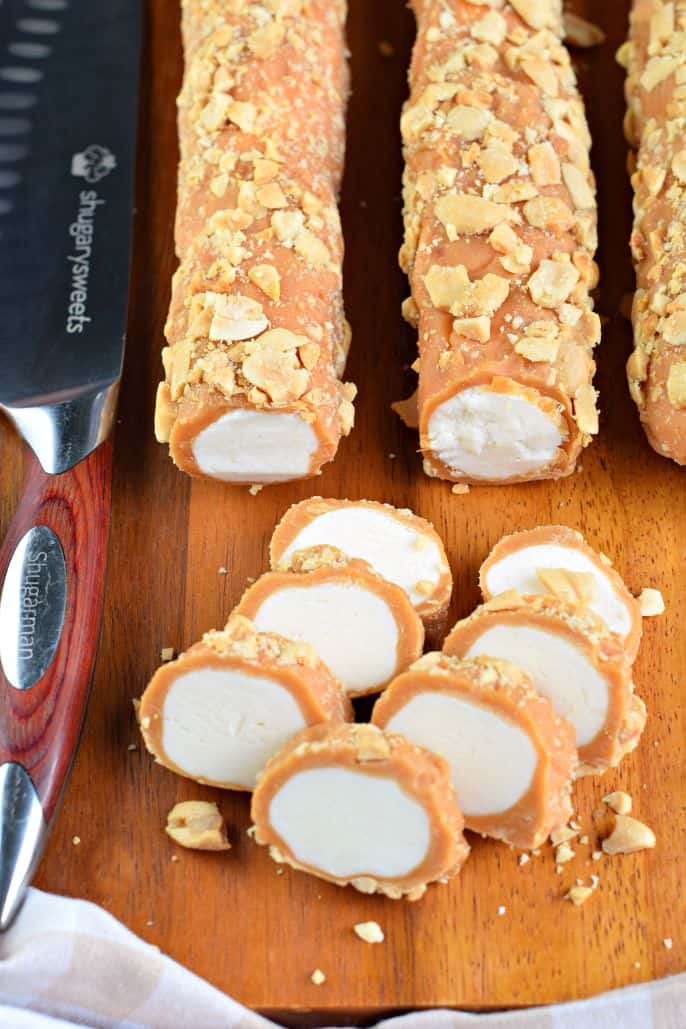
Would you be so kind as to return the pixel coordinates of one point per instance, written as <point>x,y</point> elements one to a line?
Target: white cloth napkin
<point>67,962</point>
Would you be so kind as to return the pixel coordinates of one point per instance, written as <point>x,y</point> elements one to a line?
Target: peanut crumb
<point>318,977</point>
<point>523,859</point>
<point>579,894</point>
<point>222,570</point>
<point>564,853</point>
<point>132,746</point>
<point>76,840</point>
<point>668,943</point>
<point>370,932</point>
<point>581,33</point>
<point>255,489</point>
<point>629,836</point>
<point>651,603</point>
<point>460,488</point>
<point>502,910</point>
<point>175,857</point>
<point>562,835</point>
<point>167,654</point>
<point>197,825</point>
<point>619,801</point>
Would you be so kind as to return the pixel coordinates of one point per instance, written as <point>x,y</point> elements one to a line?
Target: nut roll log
<point>354,805</point>
<point>256,335</point>
<point>655,58</point>
<point>511,757</point>
<point>572,659</point>
<point>500,233</point>
<point>219,711</point>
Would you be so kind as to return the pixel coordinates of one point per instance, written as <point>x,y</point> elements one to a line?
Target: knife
<point>68,101</point>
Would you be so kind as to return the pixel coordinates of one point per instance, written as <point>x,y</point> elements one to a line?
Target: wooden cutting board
<point>231,918</point>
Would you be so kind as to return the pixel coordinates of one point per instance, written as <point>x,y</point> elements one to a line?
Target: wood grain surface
<point>231,918</point>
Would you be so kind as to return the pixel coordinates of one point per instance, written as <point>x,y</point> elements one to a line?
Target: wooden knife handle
<point>40,725</point>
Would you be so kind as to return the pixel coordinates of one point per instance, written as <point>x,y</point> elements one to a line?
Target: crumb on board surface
<point>370,932</point>
<point>651,603</point>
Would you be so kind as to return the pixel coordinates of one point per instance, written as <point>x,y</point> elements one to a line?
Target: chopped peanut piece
<point>651,603</point>
<point>578,894</point>
<point>619,801</point>
<point>370,932</point>
<point>575,587</point>
<point>628,836</point>
<point>197,825</point>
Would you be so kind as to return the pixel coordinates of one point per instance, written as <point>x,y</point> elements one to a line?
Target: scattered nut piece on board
<point>563,834</point>
<point>197,825</point>
<point>407,411</point>
<point>581,33</point>
<point>370,932</point>
<point>667,943</point>
<point>619,801</point>
<point>628,836</point>
<point>651,603</point>
<point>318,977</point>
<point>167,654</point>
<point>564,853</point>
<point>578,895</point>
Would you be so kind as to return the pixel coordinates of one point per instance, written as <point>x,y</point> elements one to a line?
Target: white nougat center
<point>488,435</point>
<point>347,824</point>
<point>559,670</point>
<point>492,760</point>
<point>518,571</point>
<point>224,725</point>
<point>352,629</point>
<point>255,446</point>
<point>392,548</point>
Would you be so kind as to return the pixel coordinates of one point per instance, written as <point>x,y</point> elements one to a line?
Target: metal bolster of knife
<point>63,434</point>
<point>23,833</point>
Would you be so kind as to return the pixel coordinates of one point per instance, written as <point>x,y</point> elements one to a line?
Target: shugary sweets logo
<point>93,164</point>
